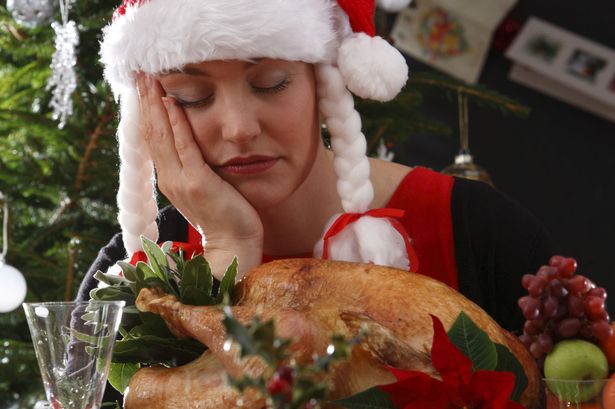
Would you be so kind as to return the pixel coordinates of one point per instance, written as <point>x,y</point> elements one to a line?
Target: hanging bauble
<point>12,288</point>
<point>31,13</point>
<point>393,6</point>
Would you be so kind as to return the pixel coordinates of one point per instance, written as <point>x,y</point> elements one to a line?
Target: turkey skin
<point>310,300</point>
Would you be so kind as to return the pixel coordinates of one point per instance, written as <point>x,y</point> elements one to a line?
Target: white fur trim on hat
<point>161,35</point>
<point>371,67</point>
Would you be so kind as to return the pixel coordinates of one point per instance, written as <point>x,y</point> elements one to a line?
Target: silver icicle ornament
<point>63,78</point>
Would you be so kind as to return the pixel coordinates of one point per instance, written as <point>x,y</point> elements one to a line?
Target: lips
<point>248,165</point>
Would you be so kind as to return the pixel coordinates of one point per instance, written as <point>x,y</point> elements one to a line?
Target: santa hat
<point>154,36</point>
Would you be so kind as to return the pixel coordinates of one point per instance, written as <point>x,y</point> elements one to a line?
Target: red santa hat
<point>154,36</point>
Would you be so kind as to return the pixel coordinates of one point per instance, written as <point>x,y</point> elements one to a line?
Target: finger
<point>160,138</point>
<point>186,147</point>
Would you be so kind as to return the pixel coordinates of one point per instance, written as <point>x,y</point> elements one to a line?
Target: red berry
<point>277,386</point>
<point>285,372</point>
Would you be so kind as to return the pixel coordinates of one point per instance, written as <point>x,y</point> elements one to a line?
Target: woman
<point>224,98</point>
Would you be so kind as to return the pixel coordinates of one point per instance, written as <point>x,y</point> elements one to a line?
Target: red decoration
<point>121,10</point>
<point>506,33</point>
<point>459,387</point>
<point>190,250</point>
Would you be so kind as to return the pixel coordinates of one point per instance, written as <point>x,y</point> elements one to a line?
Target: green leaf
<point>149,349</point>
<point>507,362</point>
<point>156,257</point>
<point>474,343</point>
<point>228,281</point>
<point>128,270</point>
<point>196,283</point>
<point>120,374</point>
<point>196,296</point>
<point>239,333</point>
<point>372,398</point>
<point>113,294</point>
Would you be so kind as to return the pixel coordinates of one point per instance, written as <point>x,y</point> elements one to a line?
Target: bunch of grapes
<point>561,305</point>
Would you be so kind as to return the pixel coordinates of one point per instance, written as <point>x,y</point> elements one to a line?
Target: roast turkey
<point>310,300</point>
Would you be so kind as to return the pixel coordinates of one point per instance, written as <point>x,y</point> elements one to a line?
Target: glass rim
<point>119,303</point>
<point>577,381</point>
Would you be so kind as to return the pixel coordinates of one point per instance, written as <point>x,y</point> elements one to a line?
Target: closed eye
<point>272,90</point>
<point>194,104</point>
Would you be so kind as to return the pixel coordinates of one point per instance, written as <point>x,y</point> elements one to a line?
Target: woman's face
<point>256,123</point>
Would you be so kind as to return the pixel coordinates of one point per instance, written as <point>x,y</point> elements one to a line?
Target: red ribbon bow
<point>393,214</point>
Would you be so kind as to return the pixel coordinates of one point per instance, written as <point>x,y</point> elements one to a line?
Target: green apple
<point>576,360</point>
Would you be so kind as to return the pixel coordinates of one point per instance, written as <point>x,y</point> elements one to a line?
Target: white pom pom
<point>368,240</point>
<point>371,67</point>
<point>393,6</point>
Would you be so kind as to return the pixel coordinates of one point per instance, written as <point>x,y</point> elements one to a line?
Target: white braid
<point>136,196</point>
<point>347,140</point>
<point>368,239</point>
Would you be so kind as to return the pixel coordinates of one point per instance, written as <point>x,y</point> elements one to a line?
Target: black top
<point>496,242</point>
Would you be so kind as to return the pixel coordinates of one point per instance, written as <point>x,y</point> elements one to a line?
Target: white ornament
<point>31,13</point>
<point>384,153</point>
<point>393,6</point>
<point>13,288</point>
<point>63,78</point>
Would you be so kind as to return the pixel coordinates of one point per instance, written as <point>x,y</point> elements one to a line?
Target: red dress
<point>425,196</point>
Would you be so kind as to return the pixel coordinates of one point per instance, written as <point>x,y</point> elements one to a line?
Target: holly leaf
<point>507,362</point>
<point>372,398</point>
<point>474,343</point>
<point>120,375</point>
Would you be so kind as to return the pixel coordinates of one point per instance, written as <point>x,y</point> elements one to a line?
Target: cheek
<point>202,132</point>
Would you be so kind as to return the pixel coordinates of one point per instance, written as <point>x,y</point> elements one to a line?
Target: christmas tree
<point>60,184</point>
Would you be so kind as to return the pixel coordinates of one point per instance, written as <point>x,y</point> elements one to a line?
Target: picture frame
<point>565,65</point>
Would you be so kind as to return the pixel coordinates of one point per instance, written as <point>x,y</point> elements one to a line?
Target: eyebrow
<point>199,72</point>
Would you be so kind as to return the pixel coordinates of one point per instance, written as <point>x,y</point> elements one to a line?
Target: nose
<point>239,119</point>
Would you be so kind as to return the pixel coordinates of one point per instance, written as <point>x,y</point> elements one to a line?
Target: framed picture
<point>450,35</point>
<point>565,65</point>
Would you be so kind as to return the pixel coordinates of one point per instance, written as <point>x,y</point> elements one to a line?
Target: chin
<point>263,196</point>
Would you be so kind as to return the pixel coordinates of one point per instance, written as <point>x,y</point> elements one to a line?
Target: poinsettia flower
<point>460,387</point>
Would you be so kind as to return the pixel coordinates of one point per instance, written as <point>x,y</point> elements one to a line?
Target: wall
<point>559,163</point>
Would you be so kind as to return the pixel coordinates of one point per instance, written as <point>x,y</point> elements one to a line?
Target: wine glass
<point>464,165</point>
<point>73,342</point>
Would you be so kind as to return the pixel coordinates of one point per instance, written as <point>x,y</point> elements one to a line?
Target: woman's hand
<point>229,223</point>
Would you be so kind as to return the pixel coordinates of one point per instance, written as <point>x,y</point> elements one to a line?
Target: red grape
<point>568,267</point>
<point>536,286</point>
<point>576,308</point>
<point>597,292</point>
<point>561,305</point>
<point>550,306</point>
<point>556,287</point>
<point>526,280</point>
<point>579,284</point>
<point>594,306</point>
<point>602,330</point>
<point>545,342</point>
<point>536,350</point>
<point>568,327</point>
